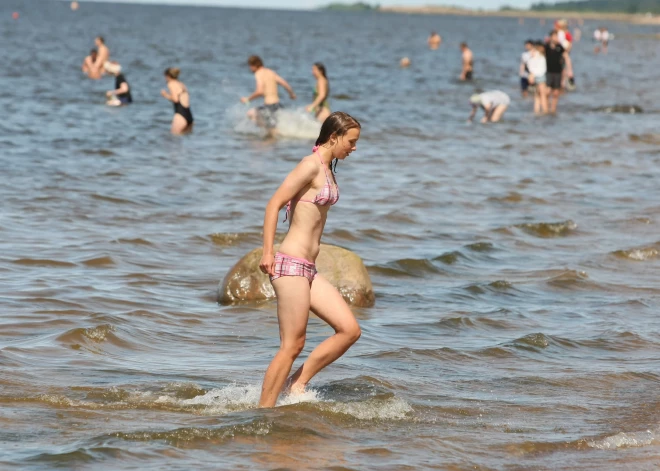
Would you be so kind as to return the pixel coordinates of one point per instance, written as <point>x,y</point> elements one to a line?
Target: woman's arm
<point>321,95</point>
<point>299,178</point>
<point>168,96</point>
<point>123,88</point>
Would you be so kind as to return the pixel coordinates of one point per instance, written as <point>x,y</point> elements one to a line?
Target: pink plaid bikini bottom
<point>286,265</point>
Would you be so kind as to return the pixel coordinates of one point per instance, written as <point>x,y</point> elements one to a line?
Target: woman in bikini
<point>308,192</point>
<point>320,106</point>
<point>179,96</point>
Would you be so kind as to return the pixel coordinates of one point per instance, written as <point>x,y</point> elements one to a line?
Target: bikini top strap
<point>315,149</point>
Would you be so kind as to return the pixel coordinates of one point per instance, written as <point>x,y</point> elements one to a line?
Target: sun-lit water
<point>515,265</point>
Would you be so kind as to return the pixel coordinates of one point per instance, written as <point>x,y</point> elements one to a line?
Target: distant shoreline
<point>432,10</point>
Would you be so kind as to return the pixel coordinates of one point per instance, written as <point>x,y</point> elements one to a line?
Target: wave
<point>191,398</point>
<point>548,229</point>
<point>40,262</point>
<point>407,267</point>
<point>638,255</point>
<point>92,337</point>
<point>627,440</point>
<point>625,109</point>
<point>653,139</point>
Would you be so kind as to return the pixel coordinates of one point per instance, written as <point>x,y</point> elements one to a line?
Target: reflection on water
<point>515,265</point>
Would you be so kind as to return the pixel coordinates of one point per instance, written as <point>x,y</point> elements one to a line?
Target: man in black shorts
<point>554,58</point>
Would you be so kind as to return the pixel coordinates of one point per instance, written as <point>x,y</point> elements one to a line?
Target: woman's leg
<point>543,95</point>
<point>327,304</point>
<point>498,112</point>
<point>293,296</point>
<point>179,124</point>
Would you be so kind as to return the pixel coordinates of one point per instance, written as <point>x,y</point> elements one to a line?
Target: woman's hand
<point>267,264</point>
<point>309,108</point>
<point>164,94</point>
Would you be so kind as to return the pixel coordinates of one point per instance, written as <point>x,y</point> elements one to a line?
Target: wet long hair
<point>338,123</point>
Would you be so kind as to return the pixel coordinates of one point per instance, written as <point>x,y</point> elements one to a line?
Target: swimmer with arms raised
<point>308,192</point>
<point>267,83</point>
<point>88,65</point>
<point>102,56</point>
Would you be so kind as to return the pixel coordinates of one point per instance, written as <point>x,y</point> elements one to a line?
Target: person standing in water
<point>102,56</point>
<point>308,192</point>
<point>182,121</point>
<point>537,67</point>
<point>267,83</point>
<point>320,106</point>
<point>468,62</point>
<point>121,95</point>
<point>434,41</point>
<point>554,58</point>
<point>494,104</point>
<point>524,72</point>
<point>88,65</point>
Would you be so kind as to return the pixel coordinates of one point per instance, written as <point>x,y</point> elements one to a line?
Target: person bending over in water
<point>434,40</point>
<point>121,95</point>
<point>494,104</point>
<point>103,55</point>
<point>267,82</point>
<point>182,121</point>
<point>88,65</point>
<point>320,106</point>
<point>308,192</point>
<point>468,61</point>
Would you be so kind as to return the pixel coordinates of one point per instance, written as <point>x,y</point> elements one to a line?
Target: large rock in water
<point>341,267</point>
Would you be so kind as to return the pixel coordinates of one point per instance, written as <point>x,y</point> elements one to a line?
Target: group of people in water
<point>546,71</point>
<point>98,63</point>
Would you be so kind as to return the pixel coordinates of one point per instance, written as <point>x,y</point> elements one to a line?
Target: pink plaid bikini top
<point>328,195</point>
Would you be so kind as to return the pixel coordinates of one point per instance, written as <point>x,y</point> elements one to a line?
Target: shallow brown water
<point>515,266</point>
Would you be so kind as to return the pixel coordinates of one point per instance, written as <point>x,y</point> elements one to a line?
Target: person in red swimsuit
<point>308,192</point>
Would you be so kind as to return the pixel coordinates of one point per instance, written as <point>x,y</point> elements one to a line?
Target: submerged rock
<point>341,267</point>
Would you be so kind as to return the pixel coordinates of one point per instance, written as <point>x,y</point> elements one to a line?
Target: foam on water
<point>291,123</point>
<point>627,440</point>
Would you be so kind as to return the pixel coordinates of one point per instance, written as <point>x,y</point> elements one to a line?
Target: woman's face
<point>345,144</point>
<point>315,71</point>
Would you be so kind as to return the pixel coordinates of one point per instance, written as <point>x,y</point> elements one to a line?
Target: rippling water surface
<point>515,266</point>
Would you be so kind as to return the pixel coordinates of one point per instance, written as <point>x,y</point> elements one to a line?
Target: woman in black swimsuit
<point>178,95</point>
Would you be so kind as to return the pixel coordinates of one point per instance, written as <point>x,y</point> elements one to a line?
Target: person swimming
<point>267,83</point>
<point>182,121</point>
<point>434,40</point>
<point>121,95</point>
<point>320,106</point>
<point>88,65</point>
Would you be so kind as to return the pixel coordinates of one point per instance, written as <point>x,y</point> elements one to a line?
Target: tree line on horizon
<point>604,6</point>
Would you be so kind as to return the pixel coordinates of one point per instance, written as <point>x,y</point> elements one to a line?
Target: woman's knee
<point>293,348</point>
